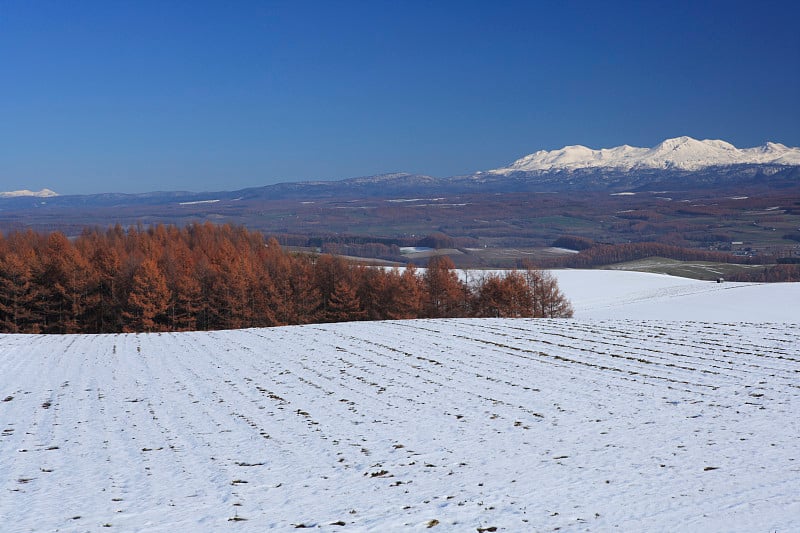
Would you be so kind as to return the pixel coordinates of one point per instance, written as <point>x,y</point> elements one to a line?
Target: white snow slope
<point>520,425</point>
<point>641,295</point>
<point>682,153</point>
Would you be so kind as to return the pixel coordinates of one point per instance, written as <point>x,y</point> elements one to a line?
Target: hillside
<point>613,294</point>
<point>459,424</point>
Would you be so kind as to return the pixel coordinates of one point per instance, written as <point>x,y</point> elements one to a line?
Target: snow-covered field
<point>460,425</point>
<point>641,295</point>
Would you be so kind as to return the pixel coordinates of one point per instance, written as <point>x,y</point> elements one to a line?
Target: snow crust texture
<point>518,425</point>
<point>681,153</point>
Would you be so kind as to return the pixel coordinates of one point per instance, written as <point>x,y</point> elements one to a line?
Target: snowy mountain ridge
<point>44,193</point>
<point>674,164</point>
<point>680,153</point>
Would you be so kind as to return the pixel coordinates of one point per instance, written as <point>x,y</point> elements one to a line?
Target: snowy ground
<point>641,295</point>
<point>519,425</point>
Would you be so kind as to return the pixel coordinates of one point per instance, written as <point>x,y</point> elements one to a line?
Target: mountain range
<point>44,193</point>
<point>679,163</point>
<point>681,153</point>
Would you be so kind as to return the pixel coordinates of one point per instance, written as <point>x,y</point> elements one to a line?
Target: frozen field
<point>459,424</point>
<point>640,295</point>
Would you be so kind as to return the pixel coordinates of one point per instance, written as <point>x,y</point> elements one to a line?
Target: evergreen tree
<point>306,299</point>
<point>148,299</point>
<point>344,305</point>
<point>507,296</point>
<point>404,295</point>
<point>183,284</point>
<point>64,283</point>
<point>15,294</point>
<point>445,295</point>
<point>102,254</point>
<point>548,300</point>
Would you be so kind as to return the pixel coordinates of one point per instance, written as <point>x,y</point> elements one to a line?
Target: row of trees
<point>606,254</point>
<point>204,277</point>
<point>786,272</point>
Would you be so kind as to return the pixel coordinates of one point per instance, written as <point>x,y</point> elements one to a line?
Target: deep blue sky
<point>191,95</point>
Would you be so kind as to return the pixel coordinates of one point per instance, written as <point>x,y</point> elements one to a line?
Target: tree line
<point>204,277</point>
<point>591,255</point>
<point>782,272</point>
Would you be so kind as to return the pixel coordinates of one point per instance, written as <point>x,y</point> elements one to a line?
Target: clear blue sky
<point>134,96</point>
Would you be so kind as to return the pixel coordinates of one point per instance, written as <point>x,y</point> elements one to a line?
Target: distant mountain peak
<point>680,153</point>
<point>44,193</point>
<point>391,178</point>
<point>773,147</point>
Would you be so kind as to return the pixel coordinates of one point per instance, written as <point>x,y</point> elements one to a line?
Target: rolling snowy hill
<point>614,294</point>
<point>518,425</point>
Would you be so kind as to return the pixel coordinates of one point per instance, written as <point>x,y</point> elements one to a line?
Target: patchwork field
<point>701,270</point>
<point>460,425</point>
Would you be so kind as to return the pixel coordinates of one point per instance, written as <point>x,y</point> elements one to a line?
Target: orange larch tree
<point>444,293</point>
<point>148,299</point>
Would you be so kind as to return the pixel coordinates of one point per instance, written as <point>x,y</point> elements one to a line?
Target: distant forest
<point>205,277</point>
<point>591,254</point>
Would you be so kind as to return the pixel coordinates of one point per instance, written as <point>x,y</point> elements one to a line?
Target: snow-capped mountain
<point>44,193</point>
<point>682,163</point>
<point>681,153</point>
